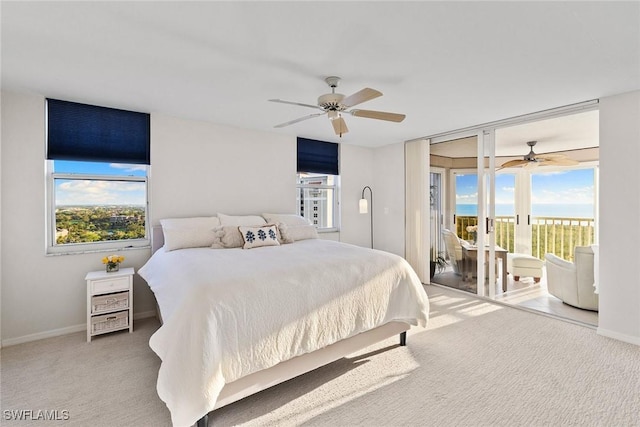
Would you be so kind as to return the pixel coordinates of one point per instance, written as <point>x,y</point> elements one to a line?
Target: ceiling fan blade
<point>558,162</point>
<point>379,115</point>
<point>361,96</point>
<point>532,165</point>
<point>295,103</point>
<point>281,125</point>
<point>550,156</point>
<point>339,126</point>
<point>513,164</point>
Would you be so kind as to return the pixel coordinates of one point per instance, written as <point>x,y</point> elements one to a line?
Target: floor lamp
<point>364,208</point>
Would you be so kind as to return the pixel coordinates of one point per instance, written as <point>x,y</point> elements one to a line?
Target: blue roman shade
<point>317,156</point>
<point>89,133</point>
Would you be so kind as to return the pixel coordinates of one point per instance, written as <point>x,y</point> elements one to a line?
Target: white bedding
<point>230,312</point>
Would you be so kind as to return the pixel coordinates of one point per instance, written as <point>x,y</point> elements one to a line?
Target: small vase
<point>112,267</point>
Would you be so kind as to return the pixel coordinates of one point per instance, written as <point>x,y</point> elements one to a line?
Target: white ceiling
<point>446,65</point>
<point>571,132</point>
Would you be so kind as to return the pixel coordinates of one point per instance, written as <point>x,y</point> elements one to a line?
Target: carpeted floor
<point>477,363</point>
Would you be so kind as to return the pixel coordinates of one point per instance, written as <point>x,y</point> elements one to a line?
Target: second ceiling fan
<point>334,105</point>
<point>532,160</point>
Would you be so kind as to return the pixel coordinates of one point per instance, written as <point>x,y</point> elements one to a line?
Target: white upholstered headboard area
<point>157,238</point>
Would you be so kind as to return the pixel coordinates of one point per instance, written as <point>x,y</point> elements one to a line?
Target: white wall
<point>201,168</point>
<point>388,167</point>
<point>619,215</point>
<point>355,173</point>
<point>198,168</point>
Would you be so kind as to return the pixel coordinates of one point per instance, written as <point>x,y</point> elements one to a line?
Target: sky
<point>574,187</point>
<point>69,192</point>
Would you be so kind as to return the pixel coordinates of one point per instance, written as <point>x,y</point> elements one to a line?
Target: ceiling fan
<point>334,105</point>
<point>533,160</point>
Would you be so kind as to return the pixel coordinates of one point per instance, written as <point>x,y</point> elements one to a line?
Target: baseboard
<point>64,331</point>
<point>618,336</point>
<point>46,334</point>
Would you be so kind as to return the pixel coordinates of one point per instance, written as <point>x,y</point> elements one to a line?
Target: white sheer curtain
<point>416,155</point>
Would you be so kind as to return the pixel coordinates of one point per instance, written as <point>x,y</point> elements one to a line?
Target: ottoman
<point>523,265</point>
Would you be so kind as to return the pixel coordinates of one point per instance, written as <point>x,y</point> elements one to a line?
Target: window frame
<point>336,198</point>
<point>52,248</point>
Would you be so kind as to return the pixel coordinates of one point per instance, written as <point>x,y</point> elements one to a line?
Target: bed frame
<point>284,371</point>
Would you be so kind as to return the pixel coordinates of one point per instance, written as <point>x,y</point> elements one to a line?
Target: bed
<point>237,321</point>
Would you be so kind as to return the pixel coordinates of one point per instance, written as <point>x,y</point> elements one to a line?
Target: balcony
<point>548,235</point>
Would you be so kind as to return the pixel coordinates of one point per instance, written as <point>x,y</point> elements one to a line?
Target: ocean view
<point>549,210</point>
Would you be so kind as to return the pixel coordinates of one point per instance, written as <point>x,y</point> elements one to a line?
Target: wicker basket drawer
<point>109,322</point>
<point>110,302</point>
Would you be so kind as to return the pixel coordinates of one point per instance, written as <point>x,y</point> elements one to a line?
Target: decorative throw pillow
<point>219,235</point>
<point>228,236</point>
<point>244,220</point>
<point>297,232</point>
<point>182,233</point>
<point>255,237</point>
<point>284,235</point>
<point>288,219</point>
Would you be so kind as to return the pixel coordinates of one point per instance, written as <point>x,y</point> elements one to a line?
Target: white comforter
<point>230,312</point>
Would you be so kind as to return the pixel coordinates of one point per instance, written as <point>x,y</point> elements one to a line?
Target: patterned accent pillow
<point>255,237</point>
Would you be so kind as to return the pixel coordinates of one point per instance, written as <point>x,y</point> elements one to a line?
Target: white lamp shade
<point>364,206</point>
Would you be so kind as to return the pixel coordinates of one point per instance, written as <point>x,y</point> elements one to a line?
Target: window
<point>318,183</point>
<point>97,168</point>
<point>96,205</point>
<point>318,200</point>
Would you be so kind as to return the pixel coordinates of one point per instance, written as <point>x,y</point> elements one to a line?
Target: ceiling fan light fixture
<point>333,114</point>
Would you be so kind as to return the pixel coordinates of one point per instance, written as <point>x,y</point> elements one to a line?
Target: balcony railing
<point>548,234</point>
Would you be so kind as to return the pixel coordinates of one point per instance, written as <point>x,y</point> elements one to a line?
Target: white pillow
<point>288,219</point>
<point>297,232</point>
<point>182,233</point>
<point>244,220</point>
<point>255,237</point>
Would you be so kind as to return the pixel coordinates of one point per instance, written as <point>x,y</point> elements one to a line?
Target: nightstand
<point>109,301</point>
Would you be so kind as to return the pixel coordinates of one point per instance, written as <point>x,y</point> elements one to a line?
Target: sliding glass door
<point>467,223</point>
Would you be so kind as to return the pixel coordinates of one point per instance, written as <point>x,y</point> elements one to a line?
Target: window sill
<point>328,230</point>
<point>79,251</point>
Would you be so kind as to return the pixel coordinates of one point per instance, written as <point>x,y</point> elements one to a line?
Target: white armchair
<point>454,250</point>
<point>572,282</point>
